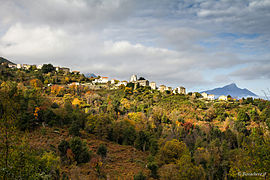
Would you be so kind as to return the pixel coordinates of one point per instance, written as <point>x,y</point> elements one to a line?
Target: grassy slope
<point>121,162</point>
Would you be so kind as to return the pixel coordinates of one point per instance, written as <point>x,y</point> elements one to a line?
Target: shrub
<point>80,150</point>
<point>62,147</point>
<point>153,167</point>
<point>102,150</point>
<point>54,105</point>
<point>84,157</point>
<point>74,129</point>
<point>139,176</point>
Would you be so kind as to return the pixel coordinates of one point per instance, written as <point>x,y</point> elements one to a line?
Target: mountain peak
<point>232,90</point>
<point>232,85</point>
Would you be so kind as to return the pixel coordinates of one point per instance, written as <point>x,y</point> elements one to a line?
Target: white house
<point>40,66</point>
<point>113,81</point>
<point>204,95</point>
<point>19,66</point>
<point>133,78</point>
<point>122,83</point>
<point>12,65</point>
<point>26,66</point>
<point>211,97</point>
<point>102,80</point>
<point>223,98</point>
<point>57,68</point>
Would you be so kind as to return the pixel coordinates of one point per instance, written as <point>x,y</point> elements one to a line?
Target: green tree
<point>80,150</point>
<point>46,68</point>
<point>142,141</point>
<point>63,147</point>
<point>102,150</point>
<point>187,170</point>
<point>74,129</point>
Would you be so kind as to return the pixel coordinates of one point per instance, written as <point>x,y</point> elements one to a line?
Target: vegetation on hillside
<point>52,130</point>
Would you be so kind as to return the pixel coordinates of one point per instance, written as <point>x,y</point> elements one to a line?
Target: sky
<point>198,44</point>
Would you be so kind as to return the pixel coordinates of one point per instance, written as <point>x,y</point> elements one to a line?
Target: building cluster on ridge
<point>211,97</point>
<point>102,82</point>
<point>39,67</point>
<point>153,85</point>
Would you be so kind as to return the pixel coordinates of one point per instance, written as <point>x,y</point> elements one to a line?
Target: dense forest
<point>52,129</point>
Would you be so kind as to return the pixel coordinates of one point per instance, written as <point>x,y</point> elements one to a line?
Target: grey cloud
<point>260,70</point>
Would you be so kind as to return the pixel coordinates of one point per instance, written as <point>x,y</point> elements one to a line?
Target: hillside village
<point>101,82</point>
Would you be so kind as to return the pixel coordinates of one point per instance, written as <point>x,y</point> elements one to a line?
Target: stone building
<point>65,70</point>
<point>179,90</point>
<point>168,88</point>
<point>182,90</point>
<point>162,88</point>
<point>143,82</point>
<point>210,97</point>
<point>153,85</point>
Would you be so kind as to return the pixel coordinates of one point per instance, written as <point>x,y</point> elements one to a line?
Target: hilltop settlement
<point>101,82</point>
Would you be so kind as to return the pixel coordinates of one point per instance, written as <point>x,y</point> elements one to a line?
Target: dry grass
<point>122,162</point>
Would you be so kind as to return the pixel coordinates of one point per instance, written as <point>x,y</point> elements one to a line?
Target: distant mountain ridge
<point>90,75</point>
<point>231,90</point>
<point>4,60</point>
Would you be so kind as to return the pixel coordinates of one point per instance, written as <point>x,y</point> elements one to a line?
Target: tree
<point>172,151</point>
<point>80,150</point>
<point>187,170</point>
<point>152,165</point>
<point>142,141</point>
<point>36,83</point>
<point>74,129</point>
<point>141,78</point>
<point>63,147</point>
<point>8,132</point>
<point>46,68</point>
<point>102,150</point>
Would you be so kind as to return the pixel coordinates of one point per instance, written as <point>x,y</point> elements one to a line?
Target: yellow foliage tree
<point>36,83</point>
<point>76,102</point>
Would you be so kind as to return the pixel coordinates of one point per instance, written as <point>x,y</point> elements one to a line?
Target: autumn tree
<point>36,83</point>
<point>172,151</point>
<point>8,132</point>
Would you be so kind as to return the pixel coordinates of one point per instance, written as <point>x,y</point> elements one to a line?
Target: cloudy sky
<point>199,44</point>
